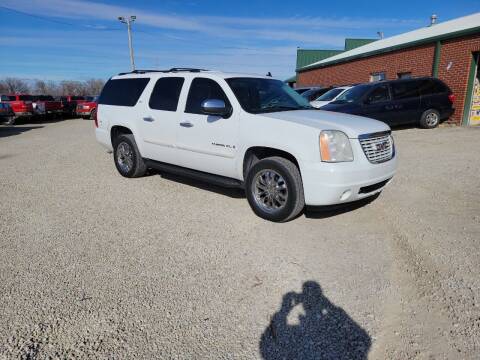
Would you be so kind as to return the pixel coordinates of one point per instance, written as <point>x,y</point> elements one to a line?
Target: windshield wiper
<point>274,108</point>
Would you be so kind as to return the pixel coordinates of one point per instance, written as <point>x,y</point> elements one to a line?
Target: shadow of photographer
<point>323,331</point>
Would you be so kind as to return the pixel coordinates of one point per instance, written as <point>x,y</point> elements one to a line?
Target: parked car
<point>243,131</point>
<point>88,108</point>
<point>314,93</point>
<point>424,101</point>
<point>301,90</point>
<point>6,113</point>
<point>329,96</point>
<point>21,105</point>
<point>69,104</point>
<point>47,105</point>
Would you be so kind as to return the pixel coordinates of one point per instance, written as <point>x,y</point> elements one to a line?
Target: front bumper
<point>336,183</point>
<point>24,113</point>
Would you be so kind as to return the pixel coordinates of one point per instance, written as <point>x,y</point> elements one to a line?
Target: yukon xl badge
<point>223,145</point>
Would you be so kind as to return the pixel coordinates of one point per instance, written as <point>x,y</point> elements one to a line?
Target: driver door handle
<point>148,119</point>
<point>186,124</point>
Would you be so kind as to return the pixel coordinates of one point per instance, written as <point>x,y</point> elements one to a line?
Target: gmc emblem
<point>381,146</point>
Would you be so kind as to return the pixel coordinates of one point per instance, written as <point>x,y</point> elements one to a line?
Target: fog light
<point>346,194</point>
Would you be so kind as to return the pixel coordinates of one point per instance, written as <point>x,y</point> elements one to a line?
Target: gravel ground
<point>93,265</point>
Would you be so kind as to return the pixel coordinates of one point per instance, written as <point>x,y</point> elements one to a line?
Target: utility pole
<point>129,20</point>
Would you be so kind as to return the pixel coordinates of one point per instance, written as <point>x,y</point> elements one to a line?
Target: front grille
<point>378,147</point>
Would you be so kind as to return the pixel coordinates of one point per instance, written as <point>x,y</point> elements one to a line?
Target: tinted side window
<point>379,94</point>
<point>431,87</point>
<point>165,94</point>
<point>405,89</point>
<point>202,89</point>
<point>123,92</point>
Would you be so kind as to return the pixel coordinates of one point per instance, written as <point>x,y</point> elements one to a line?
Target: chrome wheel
<point>431,119</point>
<point>125,157</point>
<point>270,190</point>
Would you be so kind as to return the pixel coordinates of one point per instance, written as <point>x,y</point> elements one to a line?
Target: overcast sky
<point>75,39</point>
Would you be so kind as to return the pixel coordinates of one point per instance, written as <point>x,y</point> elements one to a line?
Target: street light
<point>128,21</point>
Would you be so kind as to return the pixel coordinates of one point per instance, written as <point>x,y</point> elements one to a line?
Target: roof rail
<point>176,69</point>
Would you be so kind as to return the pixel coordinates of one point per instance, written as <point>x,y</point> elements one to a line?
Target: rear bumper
<point>447,113</point>
<point>103,137</point>
<point>83,113</point>
<point>336,183</point>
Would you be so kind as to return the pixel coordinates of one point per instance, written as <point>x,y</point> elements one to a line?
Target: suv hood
<point>352,125</point>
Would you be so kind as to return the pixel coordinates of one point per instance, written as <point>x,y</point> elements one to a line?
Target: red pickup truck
<point>69,103</point>
<point>20,104</point>
<point>88,108</point>
<point>47,105</point>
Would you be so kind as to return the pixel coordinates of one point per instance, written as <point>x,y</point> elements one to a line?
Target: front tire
<point>10,120</point>
<point>92,114</point>
<point>128,160</point>
<point>274,189</point>
<point>430,119</point>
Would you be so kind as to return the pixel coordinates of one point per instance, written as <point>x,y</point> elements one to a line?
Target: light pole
<point>128,20</point>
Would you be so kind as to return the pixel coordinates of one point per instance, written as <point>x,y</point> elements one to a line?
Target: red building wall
<point>417,60</point>
<point>458,52</point>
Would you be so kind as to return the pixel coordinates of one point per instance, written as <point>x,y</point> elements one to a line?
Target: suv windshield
<point>91,98</point>
<point>257,95</point>
<point>330,94</point>
<point>353,94</point>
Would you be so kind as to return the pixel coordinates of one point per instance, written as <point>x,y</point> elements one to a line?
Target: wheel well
<point>254,154</point>
<point>117,131</point>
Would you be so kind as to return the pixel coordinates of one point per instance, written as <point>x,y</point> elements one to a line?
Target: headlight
<point>335,146</point>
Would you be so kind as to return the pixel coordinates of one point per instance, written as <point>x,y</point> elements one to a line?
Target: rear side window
<point>431,87</point>
<point>123,92</point>
<point>203,89</point>
<point>405,90</point>
<point>8,98</point>
<point>379,94</point>
<point>166,93</point>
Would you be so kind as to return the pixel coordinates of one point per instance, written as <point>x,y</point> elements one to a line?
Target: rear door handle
<point>186,124</point>
<point>389,107</point>
<point>149,119</point>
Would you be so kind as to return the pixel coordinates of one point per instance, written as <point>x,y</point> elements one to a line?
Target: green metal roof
<point>306,57</point>
<point>309,56</point>
<point>354,43</point>
<point>464,26</point>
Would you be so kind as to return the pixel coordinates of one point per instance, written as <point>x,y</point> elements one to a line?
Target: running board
<point>194,174</point>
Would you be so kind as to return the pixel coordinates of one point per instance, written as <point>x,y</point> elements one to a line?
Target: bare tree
<point>70,87</point>
<point>15,85</point>
<point>42,87</point>
<point>93,86</point>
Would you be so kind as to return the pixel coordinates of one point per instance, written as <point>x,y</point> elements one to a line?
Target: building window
<point>404,75</point>
<point>378,76</point>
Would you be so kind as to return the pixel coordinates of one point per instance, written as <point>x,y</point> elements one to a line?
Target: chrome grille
<point>378,147</point>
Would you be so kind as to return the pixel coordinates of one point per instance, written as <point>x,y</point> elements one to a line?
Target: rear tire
<point>430,119</point>
<point>10,120</point>
<point>92,114</point>
<point>128,160</point>
<point>274,189</point>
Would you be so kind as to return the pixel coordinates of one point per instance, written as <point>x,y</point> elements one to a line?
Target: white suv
<point>243,131</point>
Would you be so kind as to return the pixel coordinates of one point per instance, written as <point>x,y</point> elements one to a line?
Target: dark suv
<point>423,101</point>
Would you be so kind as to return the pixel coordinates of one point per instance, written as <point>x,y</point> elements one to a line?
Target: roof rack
<point>176,69</point>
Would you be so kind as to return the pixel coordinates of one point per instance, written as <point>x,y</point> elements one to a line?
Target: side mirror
<point>215,107</point>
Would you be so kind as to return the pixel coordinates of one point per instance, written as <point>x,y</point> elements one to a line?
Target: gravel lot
<point>93,265</point>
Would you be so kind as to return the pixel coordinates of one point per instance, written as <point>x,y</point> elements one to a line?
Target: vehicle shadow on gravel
<point>6,131</point>
<point>323,212</point>
<point>323,330</point>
